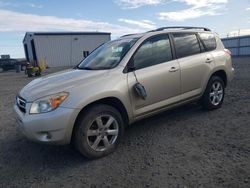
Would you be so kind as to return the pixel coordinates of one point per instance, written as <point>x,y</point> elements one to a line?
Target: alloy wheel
<point>102,133</point>
<point>216,93</point>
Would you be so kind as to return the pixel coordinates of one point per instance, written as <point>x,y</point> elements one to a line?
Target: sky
<point>120,17</point>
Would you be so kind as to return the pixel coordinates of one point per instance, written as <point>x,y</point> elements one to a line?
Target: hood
<point>58,82</point>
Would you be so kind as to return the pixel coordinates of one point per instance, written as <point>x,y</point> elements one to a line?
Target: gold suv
<point>123,81</point>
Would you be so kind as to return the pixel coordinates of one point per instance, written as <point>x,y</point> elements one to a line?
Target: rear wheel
<point>214,94</point>
<point>98,131</point>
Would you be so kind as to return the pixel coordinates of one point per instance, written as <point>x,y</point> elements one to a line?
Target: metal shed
<point>239,46</point>
<point>61,48</point>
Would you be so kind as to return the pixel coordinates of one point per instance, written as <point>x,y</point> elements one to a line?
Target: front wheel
<point>214,94</point>
<point>98,131</point>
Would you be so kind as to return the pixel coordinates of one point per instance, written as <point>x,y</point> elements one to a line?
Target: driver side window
<point>153,51</point>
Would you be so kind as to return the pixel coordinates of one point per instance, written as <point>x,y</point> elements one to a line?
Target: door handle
<point>173,69</point>
<point>208,60</point>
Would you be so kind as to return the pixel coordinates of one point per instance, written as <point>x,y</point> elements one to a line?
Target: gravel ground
<point>185,147</point>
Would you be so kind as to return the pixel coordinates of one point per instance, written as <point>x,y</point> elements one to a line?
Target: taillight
<point>227,51</point>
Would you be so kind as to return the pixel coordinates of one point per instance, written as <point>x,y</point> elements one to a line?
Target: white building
<point>61,48</point>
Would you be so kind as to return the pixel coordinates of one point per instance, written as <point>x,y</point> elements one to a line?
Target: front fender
<point>86,94</point>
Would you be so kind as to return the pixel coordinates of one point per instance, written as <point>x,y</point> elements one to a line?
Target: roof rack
<point>180,27</point>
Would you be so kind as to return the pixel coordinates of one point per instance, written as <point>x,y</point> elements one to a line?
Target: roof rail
<point>180,27</point>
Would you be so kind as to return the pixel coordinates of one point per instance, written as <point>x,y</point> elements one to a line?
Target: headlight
<point>48,103</point>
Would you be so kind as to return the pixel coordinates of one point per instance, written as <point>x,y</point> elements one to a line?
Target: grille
<point>21,103</point>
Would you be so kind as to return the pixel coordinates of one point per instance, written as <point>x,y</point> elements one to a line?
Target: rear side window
<point>208,41</point>
<point>153,51</point>
<point>186,44</point>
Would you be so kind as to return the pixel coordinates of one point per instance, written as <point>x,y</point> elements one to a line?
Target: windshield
<point>108,55</point>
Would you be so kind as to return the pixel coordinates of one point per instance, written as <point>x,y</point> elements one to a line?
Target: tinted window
<point>186,44</point>
<point>208,40</point>
<point>153,51</point>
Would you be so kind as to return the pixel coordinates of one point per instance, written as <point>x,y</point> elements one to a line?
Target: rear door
<point>195,63</point>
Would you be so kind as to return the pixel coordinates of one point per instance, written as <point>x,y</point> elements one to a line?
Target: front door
<point>156,70</point>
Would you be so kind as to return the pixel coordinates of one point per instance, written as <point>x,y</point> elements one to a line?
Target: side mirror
<point>140,90</point>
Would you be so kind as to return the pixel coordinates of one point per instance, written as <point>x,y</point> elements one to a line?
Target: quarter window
<point>208,40</point>
<point>186,44</point>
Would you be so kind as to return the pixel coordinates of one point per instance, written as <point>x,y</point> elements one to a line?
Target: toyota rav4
<point>123,81</point>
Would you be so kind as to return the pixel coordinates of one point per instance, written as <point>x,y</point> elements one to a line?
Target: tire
<point>214,94</point>
<point>98,131</point>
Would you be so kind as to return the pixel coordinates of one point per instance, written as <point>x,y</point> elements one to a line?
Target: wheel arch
<point>112,101</point>
<point>220,73</point>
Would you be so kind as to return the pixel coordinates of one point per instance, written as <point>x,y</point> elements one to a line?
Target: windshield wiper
<point>94,68</point>
<point>85,68</point>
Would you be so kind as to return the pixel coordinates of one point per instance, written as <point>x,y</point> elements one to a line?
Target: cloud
<point>34,5</point>
<point>15,21</point>
<point>240,32</point>
<point>5,3</point>
<point>147,24</point>
<point>190,13</point>
<point>202,3</point>
<point>248,9</point>
<point>132,4</point>
<point>198,9</point>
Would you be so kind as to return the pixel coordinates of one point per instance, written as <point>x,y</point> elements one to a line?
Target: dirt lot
<point>185,147</point>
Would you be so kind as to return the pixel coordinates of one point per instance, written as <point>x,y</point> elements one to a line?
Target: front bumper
<point>54,127</point>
